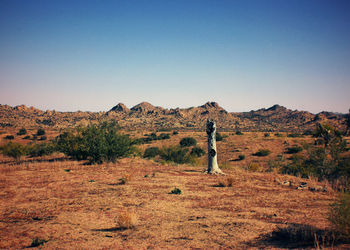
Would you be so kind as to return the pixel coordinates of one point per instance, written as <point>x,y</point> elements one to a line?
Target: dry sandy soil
<point>72,205</point>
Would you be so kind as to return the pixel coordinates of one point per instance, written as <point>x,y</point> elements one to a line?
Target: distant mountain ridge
<point>145,115</point>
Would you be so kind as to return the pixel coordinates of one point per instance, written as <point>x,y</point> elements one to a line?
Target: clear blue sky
<point>90,55</point>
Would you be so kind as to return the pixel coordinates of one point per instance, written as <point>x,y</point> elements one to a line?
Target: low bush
<point>9,137</point>
<point>22,131</point>
<point>175,133</point>
<point>294,135</point>
<point>175,191</point>
<point>40,132</point>
<point>239,133</point>
<point>254,167</point>
<point>294,150</point>
<point>267,135</point>
<point>241,157</point>
<point>151,152</point>
<point>188,142</point>
<point>262,152</point>
<point>43,138</point>
<point>40,149</point>
<point>219,137</point>
<point>197,151</point>
<point>176,154</point>
<point>27,137</point>
<point>14,150</point>
<point>278,135</point>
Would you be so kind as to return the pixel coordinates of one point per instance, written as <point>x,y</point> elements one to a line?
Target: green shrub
<point>163,136</point>
<point>197,151</point>
<point>40,149</point>
<point>43,138</point>
<point>151,152</point>
<point>278,135</point>
<point>27,137</point>
<point>219,137</point>
<point>38,242</point>
<point>22,131</point>
<point>294,135</point>
<point>241,157</point>
<point>175,133</point>
<point>294,150</point>
<point>239,133</point>
<point>175,154</point>
<point>9,137</point>
<point>267,135</point>
<point>175,191</point>
<point>96,143</point>
<point>40,132</point>
<point>262,152</point>
<point>14,150</point>
<point>188,142</point>
<point>340,216</point>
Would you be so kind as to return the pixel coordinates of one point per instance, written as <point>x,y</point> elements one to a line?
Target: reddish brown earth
<point>72,205</point>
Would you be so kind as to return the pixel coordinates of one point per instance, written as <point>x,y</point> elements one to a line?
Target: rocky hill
<point>147,116</point>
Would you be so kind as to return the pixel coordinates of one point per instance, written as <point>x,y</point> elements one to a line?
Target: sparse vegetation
<point>151,152</point>
<point>14,150</point>
<point>40,132</point>
<point>197,151</point>
<point>176,154</point>
<point>241,157</point>
<point>9,137</point>
<point>239,133</point>
<point>40,149</point>
<point>294,135</point>
<point>22,131</point>
<point>36,242</point>
<point>262,152</point>
<point>176,191</point>
<point>188,142</point>
<point>294,150</point>
<point>218,136</point>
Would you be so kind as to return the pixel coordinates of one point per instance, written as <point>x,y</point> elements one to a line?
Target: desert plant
<point>294,135</point>
<point>241,157</point>
<point>96,143</point>
<point>254,167</point>
<point>27,137</point>
<point>37,242</point>
<point>127,219</point>
<point>40,132</point>
<point>339,216</point>
<point>40,149</point>
<point>218,136</point>
<point>188,142</point>
<point>22,131</point>
<point>175,154</point>
<point>43,138</point>
<point>9,137</point>
<point>175,191</point>
<point>175,132</point>
<point>239,133</point>
<point>197,151</point>
<point>294,150</point>
<point>151,152</point>
<point>267,135</point>
<point>262,152</point>
<point>14,150</point>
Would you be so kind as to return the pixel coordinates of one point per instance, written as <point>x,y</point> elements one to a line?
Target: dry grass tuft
<point>127,219</point>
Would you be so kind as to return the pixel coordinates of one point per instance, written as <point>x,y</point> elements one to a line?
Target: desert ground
<point>62,203</point>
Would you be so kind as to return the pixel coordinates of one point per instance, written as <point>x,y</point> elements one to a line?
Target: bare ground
<point>72,205</point>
